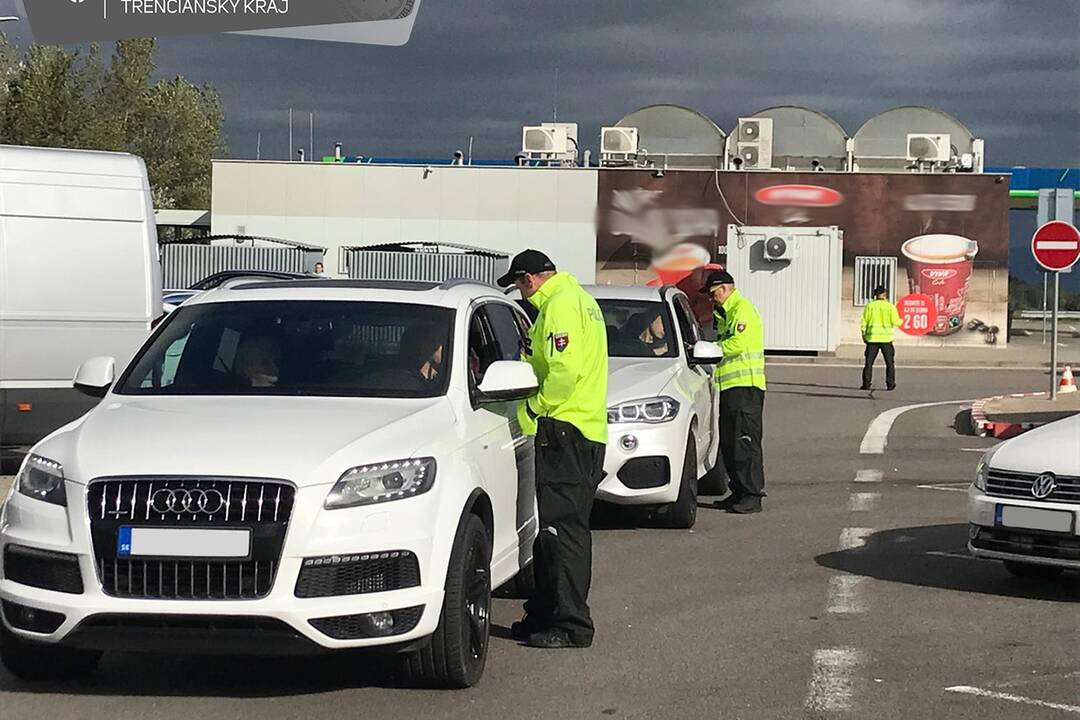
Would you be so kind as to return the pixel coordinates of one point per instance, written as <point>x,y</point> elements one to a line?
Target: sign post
<point>1056,246</point>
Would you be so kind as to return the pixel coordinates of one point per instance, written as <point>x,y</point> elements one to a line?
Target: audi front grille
<point>262,506</point>
<point>1003,483</point>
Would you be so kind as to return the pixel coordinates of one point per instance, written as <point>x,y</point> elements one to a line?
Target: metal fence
<point>871,272</point>
<point>183,264</point>
<point>372,263</point>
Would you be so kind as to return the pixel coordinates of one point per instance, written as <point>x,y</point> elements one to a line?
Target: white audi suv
<point>662,414</point>
<point>300,465</point>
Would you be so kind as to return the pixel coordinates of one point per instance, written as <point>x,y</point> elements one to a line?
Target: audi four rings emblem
<point>195,501</point>
<point>1043,486</point>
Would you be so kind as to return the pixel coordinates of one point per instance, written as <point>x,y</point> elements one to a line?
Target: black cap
<point>880,290</point>
<point>716,277</point>
<point>532,262</point>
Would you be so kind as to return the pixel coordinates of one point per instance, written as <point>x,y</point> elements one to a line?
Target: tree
<point>55,97</point>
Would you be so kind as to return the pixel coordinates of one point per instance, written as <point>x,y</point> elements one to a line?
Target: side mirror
<point>706,353</point>
<point>507,380</point>
<point>95,376</point>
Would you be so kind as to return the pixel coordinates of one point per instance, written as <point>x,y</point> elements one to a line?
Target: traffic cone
<point>1068,382</point>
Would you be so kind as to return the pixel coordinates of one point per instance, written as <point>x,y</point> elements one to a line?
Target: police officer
<point>879,319</point>
<point>740,378</point>
<point>568,351</point>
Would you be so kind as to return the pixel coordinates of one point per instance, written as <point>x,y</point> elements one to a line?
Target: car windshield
<point>320,348</point>
<point>639,329</point>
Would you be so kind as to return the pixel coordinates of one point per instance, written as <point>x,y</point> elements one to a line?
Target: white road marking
<point>978,692</point>
<point>983,368</point>
<point>845,595</point>
<point>946,488</point>
<point>831,686</point>
<point>869,476</point>
<point>863,501</point>
<point>854,538</point>
<point>877,435</point>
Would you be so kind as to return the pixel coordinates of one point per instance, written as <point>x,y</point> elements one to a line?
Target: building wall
<point>343,205</point>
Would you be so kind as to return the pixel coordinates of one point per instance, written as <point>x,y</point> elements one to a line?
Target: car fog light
<point>628,443</point>
<point>382,623</point>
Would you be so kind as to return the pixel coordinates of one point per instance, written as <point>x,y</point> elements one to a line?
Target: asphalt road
<point>843,599</point>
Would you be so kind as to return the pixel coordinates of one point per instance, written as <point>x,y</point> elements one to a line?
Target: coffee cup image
<point>680,261</point>
<point>940,266</point>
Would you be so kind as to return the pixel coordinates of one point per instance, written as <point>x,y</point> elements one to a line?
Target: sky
<point>1008,70</point>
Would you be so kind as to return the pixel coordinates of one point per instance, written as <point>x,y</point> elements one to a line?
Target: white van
<point>79,277</point>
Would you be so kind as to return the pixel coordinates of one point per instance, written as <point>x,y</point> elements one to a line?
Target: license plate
<point>1028,518</point>
<point>183,542</point>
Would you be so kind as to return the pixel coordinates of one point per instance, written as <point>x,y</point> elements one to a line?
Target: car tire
<point>682,513</point>
<point>457,652</point>
<point>1030,571</point>
<point>35,662</point>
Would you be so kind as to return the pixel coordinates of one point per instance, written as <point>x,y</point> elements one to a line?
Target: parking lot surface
<point>852,595</point>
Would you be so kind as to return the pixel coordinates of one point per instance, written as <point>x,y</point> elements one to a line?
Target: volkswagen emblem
<point>1043,486</point>
<point>195,501</point>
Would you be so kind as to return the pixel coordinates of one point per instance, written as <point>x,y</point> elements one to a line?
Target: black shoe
<point>866,387</point>
<point>726,503</point>
<point>891,388</point>
<point>525,628</point>
<point>746,506</point>
<point>555,639</point>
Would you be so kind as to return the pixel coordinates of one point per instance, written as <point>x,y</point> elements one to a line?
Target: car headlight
<point>982,471</point>
<point>650,410</point>
<point>42,479</point>
<point>370,484</point>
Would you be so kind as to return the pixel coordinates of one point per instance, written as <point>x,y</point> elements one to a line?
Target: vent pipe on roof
<point>337,151</point>
<point>300,154</point>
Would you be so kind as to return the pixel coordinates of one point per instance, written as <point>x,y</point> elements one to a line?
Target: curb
<point>983,427</point>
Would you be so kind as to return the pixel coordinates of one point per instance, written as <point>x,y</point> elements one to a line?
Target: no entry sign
<point>1056,245</point>
<point>918,313</point>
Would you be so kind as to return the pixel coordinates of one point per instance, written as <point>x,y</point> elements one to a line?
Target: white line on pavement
<point>845,595</point>
<point>831,686</point>
<point>854,538</point>
<point>946,488</point>
<point>877,435</point>
<point>983,368</point>
<point>863,501</point>
<point>869,476</point>
<point>978,692</point>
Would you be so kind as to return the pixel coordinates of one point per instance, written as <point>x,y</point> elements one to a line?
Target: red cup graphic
<point>679,262</point>
<point>940,266</point>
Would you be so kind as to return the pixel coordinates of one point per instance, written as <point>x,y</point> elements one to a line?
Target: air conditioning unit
<point>571,133</point>
<point>543,140</point>
<point>618,141</point>
<point>779,247</point>
<point>923,147</point>
<point>753,143</point>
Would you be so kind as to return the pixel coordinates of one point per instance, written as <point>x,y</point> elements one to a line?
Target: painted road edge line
<point>877,435</point>
<point>869,476</point>
<point>845,595</point>
<point>863,501</point>
<point>979,692</point>
<point>854,538</point>
<point>831,686</point>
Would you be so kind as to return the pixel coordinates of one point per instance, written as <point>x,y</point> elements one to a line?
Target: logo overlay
<point>379,22</point>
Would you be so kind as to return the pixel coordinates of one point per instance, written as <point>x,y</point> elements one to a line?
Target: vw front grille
<point>1003,483</point>
<point>262,506</point>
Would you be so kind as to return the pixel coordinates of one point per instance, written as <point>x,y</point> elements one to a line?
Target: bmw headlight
<point>42,479</point>
<point>650,410</point>
<point>370,484</point>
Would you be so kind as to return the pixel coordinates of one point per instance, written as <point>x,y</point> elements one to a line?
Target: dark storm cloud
<point>1010,71</point>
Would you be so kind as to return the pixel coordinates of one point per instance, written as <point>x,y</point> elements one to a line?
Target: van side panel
<point>79,277</point>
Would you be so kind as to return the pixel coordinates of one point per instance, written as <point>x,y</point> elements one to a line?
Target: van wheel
<point>36,662</point>
<point>457,652</point>
<point>1029,571</point>
<point>682,513</point>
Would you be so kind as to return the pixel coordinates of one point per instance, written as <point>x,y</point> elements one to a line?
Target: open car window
<point>639,329</point>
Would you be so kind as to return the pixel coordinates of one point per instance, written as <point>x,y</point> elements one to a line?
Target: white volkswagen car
<point>303,465</point>
<point>662,419</point>
<point>1024,507</point>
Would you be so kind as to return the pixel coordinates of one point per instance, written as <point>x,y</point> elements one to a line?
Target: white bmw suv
<point>662,418</point>
<point>301,465</point>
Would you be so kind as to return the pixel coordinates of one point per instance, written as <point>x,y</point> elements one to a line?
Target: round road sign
<point>918,313</point>
<point>1056,245</point>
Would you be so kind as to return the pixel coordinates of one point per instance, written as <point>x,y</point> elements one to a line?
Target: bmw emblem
<point>1043,486</point>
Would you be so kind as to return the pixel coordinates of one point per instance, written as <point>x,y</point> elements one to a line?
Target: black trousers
<point>741,414</point>
<point>568,469</point>
<point>889,352</point>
